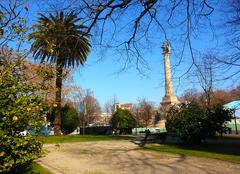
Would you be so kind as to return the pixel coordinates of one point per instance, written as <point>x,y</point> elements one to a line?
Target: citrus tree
<point>21,108</point>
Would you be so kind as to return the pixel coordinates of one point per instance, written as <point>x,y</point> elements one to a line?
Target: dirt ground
<point>122,157</point>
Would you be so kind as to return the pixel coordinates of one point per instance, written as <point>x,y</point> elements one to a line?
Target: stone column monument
<point>169,99</point>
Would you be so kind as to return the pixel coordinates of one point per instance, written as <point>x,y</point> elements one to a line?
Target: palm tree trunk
<point>57,118</point>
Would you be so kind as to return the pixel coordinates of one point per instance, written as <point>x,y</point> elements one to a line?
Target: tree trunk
<point>57,118</point>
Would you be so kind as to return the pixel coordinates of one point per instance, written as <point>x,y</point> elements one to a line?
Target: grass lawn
<point>37,169</point>
<point>221,148</point>
<point>82,138</point>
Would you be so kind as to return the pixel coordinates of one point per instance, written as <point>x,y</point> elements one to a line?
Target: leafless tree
<point>13,22</point>
<point>110,105</point>
<point>231,57</point>
<point>86,105</point>
<point>217,97</point>
<point>190,95</point>
<point>221,97</point>
<point>133,27</point>
<point>144,112</point>
<point>90,109</point>
<point>235,93</point>
<point>206,74</point>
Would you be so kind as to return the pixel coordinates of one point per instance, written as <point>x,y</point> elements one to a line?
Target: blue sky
<point>104,79</point>
<point>129,86</point>
<point>106,82</point>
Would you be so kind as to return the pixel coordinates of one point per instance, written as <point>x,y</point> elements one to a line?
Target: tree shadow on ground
<point>127,160</point>
<point>118,157</point>
<point>138,161</point>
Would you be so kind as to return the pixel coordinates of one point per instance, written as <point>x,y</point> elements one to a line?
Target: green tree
<point>21,106</point>
<point>69,121</point>
<point>60,40</point>
<point>193,123</point>
<point>122,119</point>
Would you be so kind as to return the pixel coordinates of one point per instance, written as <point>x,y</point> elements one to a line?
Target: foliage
<point>193,123</point>
<point>21,106</point>
<point>123,118</point>
<point>37,169</point>
<point>59,39</point>
<point>83,138</point>
<point>17,153</point>
<point>69,119</point>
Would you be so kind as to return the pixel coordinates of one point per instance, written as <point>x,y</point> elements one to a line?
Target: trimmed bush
<point>193,123</point>
<point>69,119</point>
<point>123,119</point>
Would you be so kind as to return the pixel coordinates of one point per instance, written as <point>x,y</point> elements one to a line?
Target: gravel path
<point>121,157</point>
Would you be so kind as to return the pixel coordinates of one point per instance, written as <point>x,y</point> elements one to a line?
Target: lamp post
<point>235,120</point>
<point>84,115</point>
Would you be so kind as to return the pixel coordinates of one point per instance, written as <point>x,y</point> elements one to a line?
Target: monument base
<point>161,124</point>
<point>169,101</point>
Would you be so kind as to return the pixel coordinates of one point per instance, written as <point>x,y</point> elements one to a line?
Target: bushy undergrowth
<point>123,119</point>
<point>17,153</point>
<point>193,123</point>
<point>21,107</point>
<point>69,121</point>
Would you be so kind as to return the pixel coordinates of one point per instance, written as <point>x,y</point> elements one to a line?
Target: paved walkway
<point>121,157</point>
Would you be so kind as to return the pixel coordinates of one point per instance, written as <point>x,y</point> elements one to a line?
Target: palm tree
<point>59,39</point>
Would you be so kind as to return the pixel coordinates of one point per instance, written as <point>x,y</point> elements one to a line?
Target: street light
<point>235,119</point>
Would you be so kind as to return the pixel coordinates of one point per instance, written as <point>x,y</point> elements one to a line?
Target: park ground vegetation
<point>69,119</point>
<point>222,148</point>
<point>193,123</point>
<point>122,120</point>
<point>21,108</point>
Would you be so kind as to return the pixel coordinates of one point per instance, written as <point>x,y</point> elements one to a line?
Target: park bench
<point>147,138</point>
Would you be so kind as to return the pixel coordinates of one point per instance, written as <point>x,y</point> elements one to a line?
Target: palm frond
<point>59,37</point>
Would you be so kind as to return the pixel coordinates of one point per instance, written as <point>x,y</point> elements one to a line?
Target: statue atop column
<point>166,47</point>
<point>169,99</point>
